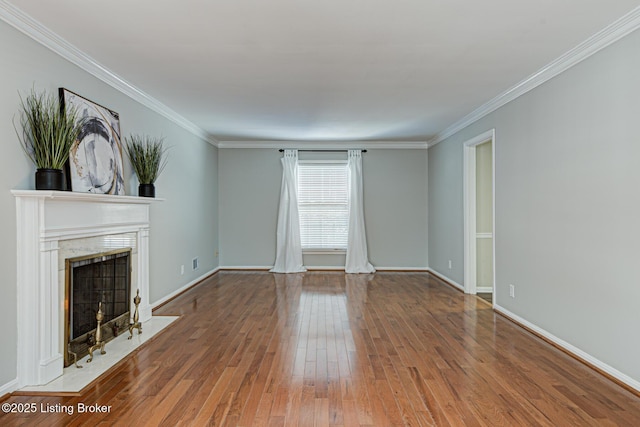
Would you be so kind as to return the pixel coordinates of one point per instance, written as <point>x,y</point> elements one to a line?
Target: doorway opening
<point>479,218</point>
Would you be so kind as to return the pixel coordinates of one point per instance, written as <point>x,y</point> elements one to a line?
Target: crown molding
<point>327,145</point>
<point>41,34</point>
<point>607,36</point>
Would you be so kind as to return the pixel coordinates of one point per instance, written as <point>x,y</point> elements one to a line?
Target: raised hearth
<point>53,226</point>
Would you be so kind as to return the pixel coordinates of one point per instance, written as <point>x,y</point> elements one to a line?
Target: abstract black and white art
<point>95,160</point>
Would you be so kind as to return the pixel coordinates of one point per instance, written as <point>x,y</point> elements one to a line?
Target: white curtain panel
<point>357,258</point>
<point>288,246</point>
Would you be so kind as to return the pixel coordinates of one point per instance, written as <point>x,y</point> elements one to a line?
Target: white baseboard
<point>484,290</point>
<point>324,267</point>
<point>575,351</point>
<point>246,267</point>
<point>321,268</point>
<point>341,268</point>
<point>269,267</point>
<point>183,288</point>
<point>446,279</point>
<point>9,387</point>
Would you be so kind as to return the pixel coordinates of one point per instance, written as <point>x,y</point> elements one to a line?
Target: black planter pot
<point>147,190</point>
<point>49,179</point>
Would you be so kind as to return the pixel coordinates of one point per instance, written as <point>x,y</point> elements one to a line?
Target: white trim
<point>494,147</point>
<point>9,387</point>
<point>43,35</point>
<point>183,288</point>
<point>446,279</point>
<point>85,197</point>
<point>379,269</point>
<point>88,231</point>
<point>484,290</point>
<point>326,145</point>
<point>324,267</point>
<point>607,36</point>
<point>330,267</point>
<point>484,235</point>
<point>580,354</point>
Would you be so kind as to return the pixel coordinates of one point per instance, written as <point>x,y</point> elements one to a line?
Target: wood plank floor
<point>329,349</point>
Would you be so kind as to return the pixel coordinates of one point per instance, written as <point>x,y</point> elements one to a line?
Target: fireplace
<point>52,227</point>
<point>92,279</point>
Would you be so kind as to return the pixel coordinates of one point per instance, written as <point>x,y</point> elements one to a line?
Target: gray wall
<point>446,210</point>
<point>395,196</point>
<point>182,227</point>
<point>567,205</point>
<point>249,192</point>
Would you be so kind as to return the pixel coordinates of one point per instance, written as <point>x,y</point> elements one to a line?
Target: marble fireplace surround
<point>53,226</point>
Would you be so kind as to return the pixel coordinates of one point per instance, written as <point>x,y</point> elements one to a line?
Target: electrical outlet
<point>182,269</point>
<point>512,291</point>
<point>450,265</point>
<point>194,263</point>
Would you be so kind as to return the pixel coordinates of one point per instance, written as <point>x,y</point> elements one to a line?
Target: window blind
<point>323,196</point>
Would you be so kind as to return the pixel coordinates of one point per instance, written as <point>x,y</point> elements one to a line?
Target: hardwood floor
<point>329,349</point>
<point>486,296</point>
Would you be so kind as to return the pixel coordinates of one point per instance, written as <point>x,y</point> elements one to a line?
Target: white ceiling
<point>326,70</point>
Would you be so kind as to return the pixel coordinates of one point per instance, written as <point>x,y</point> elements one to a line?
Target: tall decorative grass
<point>147,156</point>
<point>48,129</point>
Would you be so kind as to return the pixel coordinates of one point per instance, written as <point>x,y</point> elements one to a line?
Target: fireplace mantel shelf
<point>84,197</point>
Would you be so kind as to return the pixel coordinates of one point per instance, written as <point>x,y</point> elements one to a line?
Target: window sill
<point>324,251</point>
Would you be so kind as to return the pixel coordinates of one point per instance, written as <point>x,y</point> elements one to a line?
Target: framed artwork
<point>95,160</point>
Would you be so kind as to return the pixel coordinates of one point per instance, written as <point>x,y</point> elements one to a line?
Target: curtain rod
<point>323,151</point>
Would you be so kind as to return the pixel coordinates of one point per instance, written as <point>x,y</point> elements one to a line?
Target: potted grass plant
<point>147,157</point>
<point>48,132</point>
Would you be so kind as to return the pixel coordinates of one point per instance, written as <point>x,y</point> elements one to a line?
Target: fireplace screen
<point>92,279</point>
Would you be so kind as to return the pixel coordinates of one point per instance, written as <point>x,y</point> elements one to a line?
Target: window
<point>323,204</point>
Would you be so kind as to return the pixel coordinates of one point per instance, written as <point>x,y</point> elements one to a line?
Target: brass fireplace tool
<point>99,343</point>
<point>74,355</point>
<point>136,317</point>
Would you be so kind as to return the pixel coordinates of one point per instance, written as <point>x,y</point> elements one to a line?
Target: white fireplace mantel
<point>44,219</point>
